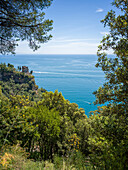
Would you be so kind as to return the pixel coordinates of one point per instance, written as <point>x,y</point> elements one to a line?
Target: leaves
<point>109,129</point>
<point>23,20</point>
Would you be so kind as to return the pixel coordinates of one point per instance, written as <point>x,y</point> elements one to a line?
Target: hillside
<point>19,82</point>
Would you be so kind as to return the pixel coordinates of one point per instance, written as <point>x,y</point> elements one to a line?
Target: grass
<point>15,158</point>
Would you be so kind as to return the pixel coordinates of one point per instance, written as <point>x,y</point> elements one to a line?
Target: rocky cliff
<point>8,72</point>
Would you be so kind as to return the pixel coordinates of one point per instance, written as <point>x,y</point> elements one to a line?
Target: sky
<point>76,29</point>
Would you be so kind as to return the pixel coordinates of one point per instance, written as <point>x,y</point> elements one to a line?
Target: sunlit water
<point>74,75</point>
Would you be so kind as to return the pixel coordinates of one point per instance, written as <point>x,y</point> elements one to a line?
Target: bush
<point>12,157</point>
<point>15,157</point>
<point>58,162</point>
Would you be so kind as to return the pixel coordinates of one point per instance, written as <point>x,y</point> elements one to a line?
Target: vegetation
<point>45,131</point>
<point>23,20</point>
<point>15,157</point>
<point>13,82</point>
<point>109,141</point>
<point>45,127</point>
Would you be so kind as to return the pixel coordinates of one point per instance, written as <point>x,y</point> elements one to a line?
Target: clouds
<point>71,40</point>
<point>74,43</point>
<point>99,10</point>
<point>63,45</point>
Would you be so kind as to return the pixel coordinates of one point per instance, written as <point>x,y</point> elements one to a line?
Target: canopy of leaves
<point>14,82</point>
<point>23,20</point>
<point>115,90</point>
<point>42,121</point>
<point>108,141</point>
<point>108,138</point>
<point>53,125</point>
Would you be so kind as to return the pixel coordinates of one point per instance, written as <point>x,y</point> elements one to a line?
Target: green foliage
<point>108,138</point>
<point>115,68</point>
<point>12,122</point>
<point>47,131</point>
<point>52,128</point>
<point>14,82</point>
<point>108,141</point>
<point>36,127</point>
<point>43,128</point>
<point>83,127</point>
<point>58,162</point>
<point>23,20</point>
<point>74,143</point>
<point>56,100</point>
<point>70,116</point>
<point>77,160</point>
<point>15,157</point>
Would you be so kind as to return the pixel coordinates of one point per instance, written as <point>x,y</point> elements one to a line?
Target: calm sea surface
<point>74,75</point>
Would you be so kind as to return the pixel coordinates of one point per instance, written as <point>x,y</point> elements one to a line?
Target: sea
<point>75,76</point>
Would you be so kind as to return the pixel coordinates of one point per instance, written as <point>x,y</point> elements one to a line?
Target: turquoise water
<point>74,75</point>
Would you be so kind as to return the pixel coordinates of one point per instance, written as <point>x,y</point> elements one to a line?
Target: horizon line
<point>48,54</point>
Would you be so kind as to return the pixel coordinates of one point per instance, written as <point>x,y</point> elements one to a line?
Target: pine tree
<point>115,89</point>
<point>23,20</point>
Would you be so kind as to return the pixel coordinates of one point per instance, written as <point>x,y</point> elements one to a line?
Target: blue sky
<point>76,28</point>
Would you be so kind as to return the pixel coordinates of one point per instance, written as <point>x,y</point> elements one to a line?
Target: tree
<point>70,117</point>
<point>109,134</point>
<point>23,20</point>
<point>115,89</point>
<point>108,140</point>
<point>47,128</point>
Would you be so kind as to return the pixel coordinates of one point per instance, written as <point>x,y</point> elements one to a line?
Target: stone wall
<point>25,69</point>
